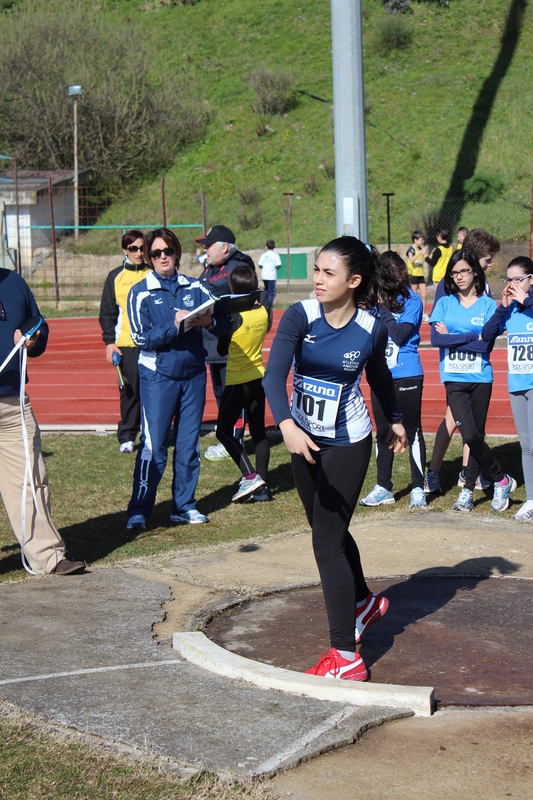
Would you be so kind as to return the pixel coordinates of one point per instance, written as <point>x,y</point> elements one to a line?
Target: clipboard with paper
<point>226,304</point>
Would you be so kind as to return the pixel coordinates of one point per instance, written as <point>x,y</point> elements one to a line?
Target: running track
<point>72,383</point>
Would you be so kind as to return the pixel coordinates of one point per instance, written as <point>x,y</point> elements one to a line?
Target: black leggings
<point>409,397</point>
<point>469,404</point>
<point>329,491</point>
<point>250,396</point>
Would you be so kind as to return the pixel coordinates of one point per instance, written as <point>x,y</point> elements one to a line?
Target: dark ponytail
<point>376,281</point>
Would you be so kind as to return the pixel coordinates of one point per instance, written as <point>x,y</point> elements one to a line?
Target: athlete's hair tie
<point>368,248</point>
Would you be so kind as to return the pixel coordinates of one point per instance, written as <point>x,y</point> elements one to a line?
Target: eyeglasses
<point>516,280</point>
<point>156,254</point>
<point>134,249</point>
<point>463,273</point>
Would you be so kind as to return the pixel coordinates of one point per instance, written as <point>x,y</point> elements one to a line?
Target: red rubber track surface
<point>72,383</point>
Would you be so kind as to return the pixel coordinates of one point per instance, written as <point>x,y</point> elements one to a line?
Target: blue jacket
<point>152,306</point>
<point>17,305</point>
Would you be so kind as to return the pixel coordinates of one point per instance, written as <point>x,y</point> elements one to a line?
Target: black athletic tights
<point>250,396</point>
<point>409,397</point>
<point>329,491</point>
<point>469,404</point>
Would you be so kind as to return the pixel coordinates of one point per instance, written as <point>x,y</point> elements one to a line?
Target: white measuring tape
<point>29,330</point>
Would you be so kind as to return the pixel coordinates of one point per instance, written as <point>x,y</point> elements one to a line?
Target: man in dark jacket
<point>223,257</point>
<point>43,549</point>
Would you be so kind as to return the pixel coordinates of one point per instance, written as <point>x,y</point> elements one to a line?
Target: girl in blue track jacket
<point>456,323</point>
<point>515,315</point>
<point>172,378</point>
<point>403,328</point>
<point>328,342</point>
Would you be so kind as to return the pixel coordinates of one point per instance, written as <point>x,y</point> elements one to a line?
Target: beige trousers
<point>43,546</point>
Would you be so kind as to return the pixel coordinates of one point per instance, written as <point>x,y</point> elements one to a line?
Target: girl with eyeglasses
<point>172,377</point>
<point>465,370</point>
<point>515,315</point>
<point>116,333</point>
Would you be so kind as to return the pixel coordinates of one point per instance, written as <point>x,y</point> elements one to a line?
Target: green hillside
<point>456,102</point>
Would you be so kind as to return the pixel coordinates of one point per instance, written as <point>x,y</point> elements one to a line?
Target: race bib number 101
<point>315,405</point>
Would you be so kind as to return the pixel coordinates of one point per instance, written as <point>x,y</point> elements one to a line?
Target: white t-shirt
<point>269,262</point>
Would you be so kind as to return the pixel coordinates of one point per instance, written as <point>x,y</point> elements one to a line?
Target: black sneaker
<point>261,495</point>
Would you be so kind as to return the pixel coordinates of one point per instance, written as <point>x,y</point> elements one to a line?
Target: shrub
<point>273,90</point>
<point>127,127</point>
<point>329,170</point>
<point>392,32</point>
<point>249,196</point>
<point>249,222</point>
<point>483,187</point>
<point>397,6</point>
<point>311,184</point>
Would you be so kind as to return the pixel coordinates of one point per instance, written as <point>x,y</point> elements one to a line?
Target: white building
<point>34,210</point>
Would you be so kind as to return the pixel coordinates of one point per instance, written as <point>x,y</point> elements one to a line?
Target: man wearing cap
<point>222,257</point>
<point>44,549</point>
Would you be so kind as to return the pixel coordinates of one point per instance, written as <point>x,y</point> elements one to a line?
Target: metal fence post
<point>53,231</point>
<point>163,202</point>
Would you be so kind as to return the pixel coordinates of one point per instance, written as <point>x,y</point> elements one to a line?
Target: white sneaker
<point>247,486</point>
<point>127,447</point>
<point>525,513</point>
<point>216,452</point>
<point>137,521</point>
<point>418,498</point>
<point>192,517</point>
<point>500,501</point>
<point>377,497</point>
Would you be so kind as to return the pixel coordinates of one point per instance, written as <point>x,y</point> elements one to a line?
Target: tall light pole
<point>349,119</point>
<point>75,91</point>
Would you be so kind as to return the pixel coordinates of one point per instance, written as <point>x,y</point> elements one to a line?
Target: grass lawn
<point>91,484</point>
<point>37,763</point>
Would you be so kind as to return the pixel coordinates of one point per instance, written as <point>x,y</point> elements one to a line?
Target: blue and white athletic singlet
<point>519,325</point>
<point>404,361</point>
<point>327,367</point>
<point>456,364</point>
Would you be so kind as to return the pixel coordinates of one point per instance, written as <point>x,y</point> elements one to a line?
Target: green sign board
<point>298,267</point>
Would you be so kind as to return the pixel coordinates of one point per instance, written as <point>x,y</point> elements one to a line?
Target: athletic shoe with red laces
<point>365,616</point>
<point>333,665</point>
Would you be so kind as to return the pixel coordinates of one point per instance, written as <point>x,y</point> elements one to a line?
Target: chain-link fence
<point>64,242</point>
<point>509,220</point>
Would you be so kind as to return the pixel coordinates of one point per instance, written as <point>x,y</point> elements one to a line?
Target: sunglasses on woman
<point>155,254</point>
<point>134,249</point>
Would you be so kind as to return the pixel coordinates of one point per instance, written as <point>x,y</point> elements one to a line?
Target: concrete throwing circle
<point>470,638</point>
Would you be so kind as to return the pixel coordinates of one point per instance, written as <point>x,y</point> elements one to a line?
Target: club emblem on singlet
<point>350,360</point>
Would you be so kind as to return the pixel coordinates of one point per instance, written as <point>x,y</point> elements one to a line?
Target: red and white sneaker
<point>374,608</point>
<point>333,665</point>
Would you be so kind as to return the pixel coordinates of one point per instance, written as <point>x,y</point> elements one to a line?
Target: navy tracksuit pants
<point>163,400</point>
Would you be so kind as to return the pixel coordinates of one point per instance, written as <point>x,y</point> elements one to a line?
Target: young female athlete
<point>244,388</point>
<point>515,314</point>
<point>465,370</point>
<point>328,431</point>
<point>403,328</point>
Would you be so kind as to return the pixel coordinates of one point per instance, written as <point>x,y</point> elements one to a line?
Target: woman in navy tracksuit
<point>172,378</point>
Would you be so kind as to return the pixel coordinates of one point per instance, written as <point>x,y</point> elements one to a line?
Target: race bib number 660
<point>315,405</point>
